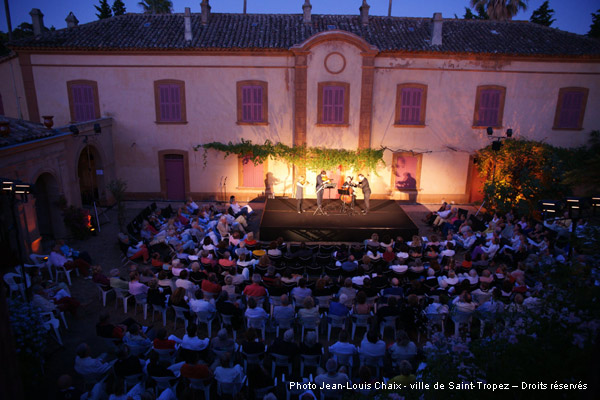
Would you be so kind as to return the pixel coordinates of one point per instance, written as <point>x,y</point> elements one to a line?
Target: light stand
<point>14,188</point>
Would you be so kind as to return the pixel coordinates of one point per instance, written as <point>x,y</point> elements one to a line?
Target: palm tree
<point>501,10</point>
<point>156,6</point>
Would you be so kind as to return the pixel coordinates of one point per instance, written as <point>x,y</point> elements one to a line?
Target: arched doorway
<point>90,173</point>
<point>47,194</point>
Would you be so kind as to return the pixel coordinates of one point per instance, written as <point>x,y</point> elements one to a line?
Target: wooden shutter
<point>410,110</point>
<point>252,104</point>
<point>489,107</point>
<point>83,102</point>
<point>571,110</point>
<point>333,104</point>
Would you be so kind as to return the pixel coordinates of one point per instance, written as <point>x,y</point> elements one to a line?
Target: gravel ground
<point>105,251</point>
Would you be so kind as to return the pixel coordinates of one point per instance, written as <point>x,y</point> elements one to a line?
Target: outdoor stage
<point>281,219</point>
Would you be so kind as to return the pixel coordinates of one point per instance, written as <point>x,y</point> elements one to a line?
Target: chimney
<point>37,18</point>
<point>436,30</point>
<point>244,6</point>
<point>364,13</point>
<point>72,20</point>
<point>205,11</point>
<point>307,8</point>
<point>187,22</point>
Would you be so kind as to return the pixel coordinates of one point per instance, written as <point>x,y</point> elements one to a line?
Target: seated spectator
<point>48,302</point>
<point>285,310</point>
<point>332,376</point>
<point>191,341</point>
<point>349,291</point>
<point>371,345</point>
<point>107,330</point>
<point>405,376</point>
<point>146,276</point>
<point>99,277</point>
<point>226,261</point>
<point>361,306</point>
<point>373,241</point>
<point>309,311</point>
<point>271,278</point>
<point>438,307</point>
<point>342,346</point>
<point>339,307</point>
<point>225,306</point>
<point>301,292</point>
<point>156,368</point>
<point>431,283</point>
<point>58,259</point>
<point>156,262</point>
<point>176,267</point>
<point>251,343</point>
<point>311,346</point>
<point>162,343</point>
<point>156,295</point>
<point>350,265</point>
<point>389,255</point>
<point>201,305</point>
<point>222,342</point>
<point>116,281</point>
<point>403,346</point>
<point>197,274</point>
<point>285,346</point>
<point>86,365</point>
<point>137,251</point>
<point>464,303</point>
<point>166,283</point>
<point>390,310</point>
<point>225,373</point>
<point>253,311</point>
<point>211,285</point>
<point>126,364</point>
<point>178,299</point>
<point>250,241</point>
<point>394,289</point>
<point>192,369</point>
<point>136,337</point>
<point>183,282</point>
<point>255,289</point>
<point>494,304</point>
<point>273,250</point>
<point>135,286</point>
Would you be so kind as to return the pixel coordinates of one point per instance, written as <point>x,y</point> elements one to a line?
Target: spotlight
<point>574,205</point>
<point>97,128</point>
<point>490,131</point>
<point>7,186</point>
<point>549,208</point>
<point>509,133</point>
<point>22,188</point>
<point>74,130</point>
<point>496,145</point>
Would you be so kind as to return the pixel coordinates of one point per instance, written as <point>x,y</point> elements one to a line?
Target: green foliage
<point>117,188</point>
<point>314,158</point>
<point>586,172</point>
<point>500,10</point>
<point>118,7</point>
<point>481,14</point>
<point>156,6</point>
<point>523,172</point>
<point>595,26</point>
<point>104,10</point>
<point>543,15</point>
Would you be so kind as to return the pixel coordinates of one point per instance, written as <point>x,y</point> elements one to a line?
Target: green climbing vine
<point>313,158</point>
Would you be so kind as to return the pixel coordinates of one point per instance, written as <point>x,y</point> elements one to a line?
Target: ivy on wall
<point>313,158</point>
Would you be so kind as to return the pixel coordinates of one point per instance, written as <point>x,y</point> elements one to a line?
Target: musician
<point>321,180</point>
<point>363,184</point>
<point>300,185</point>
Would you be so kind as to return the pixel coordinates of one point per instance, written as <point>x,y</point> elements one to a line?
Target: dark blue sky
<point>571,15</point>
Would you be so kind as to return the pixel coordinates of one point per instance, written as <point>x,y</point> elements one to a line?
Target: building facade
<point>426,89</point>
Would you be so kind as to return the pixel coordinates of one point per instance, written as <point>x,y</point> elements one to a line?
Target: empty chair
<point>387,321</point>
<point>51,323</point>
<point>104,291</point>
<point>310,324</point>
<point>162,310</point>
<point>124,295</point>
<point>230,389</point>
<point>141,300</point>
<point>15,284</point>
<point>283,324</point>
<point>314,270</point>
<point>259,323</point>
<point>199,384</point>
<point>310,360</point>
<point>360,321</point>
<point>335,321</point>
<point>204,317</point>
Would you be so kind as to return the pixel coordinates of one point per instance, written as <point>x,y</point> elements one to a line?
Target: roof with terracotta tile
<point>282,31</point>
<point>22,131</point>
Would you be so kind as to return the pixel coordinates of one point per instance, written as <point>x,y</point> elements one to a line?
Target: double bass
<point>348,185</point>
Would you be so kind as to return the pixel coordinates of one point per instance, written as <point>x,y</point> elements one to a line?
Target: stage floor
<point>386,217</point>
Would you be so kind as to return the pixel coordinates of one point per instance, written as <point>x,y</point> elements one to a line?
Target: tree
<point>118,7</point>
<point>481,14</point>
<point>543,15</point>
<point>500,10</point>
<point>595,26</point>
<point>104,10</point>
<point>156,6</point>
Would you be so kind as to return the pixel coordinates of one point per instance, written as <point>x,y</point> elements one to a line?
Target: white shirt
<point>343,348</point>
<point>89,365</point>
<point>372,349</point>
<point>201,306</point>
<point>194,343</point>
<point>234,374</point>
<point>57,259</point>
<point>256,312</point>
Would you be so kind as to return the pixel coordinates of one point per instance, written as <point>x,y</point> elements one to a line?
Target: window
<point>489,106</point>
<point>570,108</point>
<point>411,100</point>
<point>83,100</point>
<point>332,102</point>
<point>252,103</point>
<point>169,98</point>
<point>251,176</point>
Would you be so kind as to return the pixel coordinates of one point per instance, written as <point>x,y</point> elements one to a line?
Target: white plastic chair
<point>310,361</point>
<point>132,380</point>
<point>335,321</point>
<point>461,318</point>
<point>162,310</point>
<point>41,261</point>
<point>166,355</point>
<point>207,318</point>
<point>11,280</point>
<point>226,322</point>
<point>346,360</point>
<point>280,360</point>
<point>360,321</point>
<point>231,389</point>
<point>257,323</point>
<point>436,319</point>
<point>310,324</point>
<point>252,359</point>
<point>124,295</point>
<point>373,362</point>
<point>104,291</point>
<point>163,382</point>
<point>198,384</point>
<point>180,314</point>
<point>141,300</point>
<point>388,321</point>
<point>67,273</point>
<point>283,323</point>
<point>51,322</point>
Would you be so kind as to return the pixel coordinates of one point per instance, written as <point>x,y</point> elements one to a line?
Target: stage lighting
<point>549,208</point>
<point>509,133</point>
<point>490,131</point>
<point>21,188</point>
<point>97,128</point>
<point>574,206</point>
<point>7,186</point>
<point>74,130</point>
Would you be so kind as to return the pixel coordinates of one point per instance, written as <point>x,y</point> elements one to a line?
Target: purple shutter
<point>83,102</point>
<point>333,104</point>
<point>410,108</point>
<point>571,110</point>
<point>489,107</point>
<point>252,104</point>
<point>170,103</point>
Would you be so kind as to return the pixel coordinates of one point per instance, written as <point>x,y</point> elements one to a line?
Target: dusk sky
<point>570,15</point>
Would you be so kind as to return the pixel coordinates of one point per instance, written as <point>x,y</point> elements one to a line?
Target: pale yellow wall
<point>11,89</point>
<point>333,137</point>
